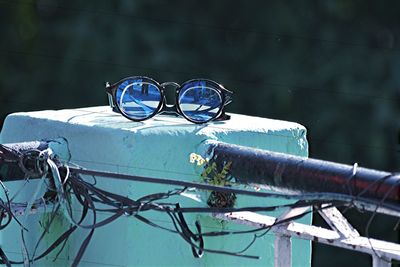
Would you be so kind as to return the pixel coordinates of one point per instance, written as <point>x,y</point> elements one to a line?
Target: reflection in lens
<point>199,101</point>
<point>138,99</point>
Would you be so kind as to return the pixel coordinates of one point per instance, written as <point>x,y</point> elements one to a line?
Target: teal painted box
<point>160,147</point>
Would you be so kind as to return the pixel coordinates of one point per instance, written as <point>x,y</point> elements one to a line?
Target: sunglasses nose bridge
<point>172,84</point>
<point>169,96</point>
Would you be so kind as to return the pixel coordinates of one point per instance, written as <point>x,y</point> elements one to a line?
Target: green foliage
<point>212,176</point>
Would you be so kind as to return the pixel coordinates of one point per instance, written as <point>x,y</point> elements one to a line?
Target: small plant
<point>212,175</point>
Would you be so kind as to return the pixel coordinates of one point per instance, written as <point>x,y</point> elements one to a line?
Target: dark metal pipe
<point>305,175</point>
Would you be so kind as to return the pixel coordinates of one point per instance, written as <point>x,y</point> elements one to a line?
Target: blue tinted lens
<point>138,98</point>
<point>200,101</point>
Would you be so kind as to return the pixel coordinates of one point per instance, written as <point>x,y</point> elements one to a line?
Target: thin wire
<point>374,214</point>
<point>87,194</point>
<point>349,189</point>
<point>164,21</point>
<point>309,196</point>
<point>370,97</point>
<point>312,195</point>
<point>95,224</point>
<point>5,207</point>
<point>137,167</point>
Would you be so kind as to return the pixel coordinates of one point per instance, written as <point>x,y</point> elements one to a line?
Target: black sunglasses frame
<point>163,107</point>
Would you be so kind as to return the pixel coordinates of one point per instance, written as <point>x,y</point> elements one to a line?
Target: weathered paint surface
<point>159,147</point>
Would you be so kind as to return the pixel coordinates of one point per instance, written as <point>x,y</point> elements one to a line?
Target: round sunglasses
<point>139,98</point>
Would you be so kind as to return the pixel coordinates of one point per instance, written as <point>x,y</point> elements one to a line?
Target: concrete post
<point>160,147</point>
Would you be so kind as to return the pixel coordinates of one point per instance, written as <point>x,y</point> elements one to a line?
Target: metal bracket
<point>342,234</point>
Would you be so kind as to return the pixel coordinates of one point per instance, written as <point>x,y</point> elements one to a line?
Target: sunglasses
<point>139,98</point>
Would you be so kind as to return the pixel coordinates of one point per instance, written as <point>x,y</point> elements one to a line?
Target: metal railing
<point>368,189</point>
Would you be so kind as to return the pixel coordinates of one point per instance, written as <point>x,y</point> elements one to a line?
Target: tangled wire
<point>66,183</point>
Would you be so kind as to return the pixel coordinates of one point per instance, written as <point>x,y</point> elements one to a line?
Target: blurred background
<point>332,66</point>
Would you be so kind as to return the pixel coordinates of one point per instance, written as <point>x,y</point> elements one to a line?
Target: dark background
<point>332,66</point>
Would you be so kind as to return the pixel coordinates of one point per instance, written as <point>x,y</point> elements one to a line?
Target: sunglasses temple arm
<point>223,117</point>
<point>228,97</point>
<point>228,100</point>
<point>111,102</point>
<point>110,97</point>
